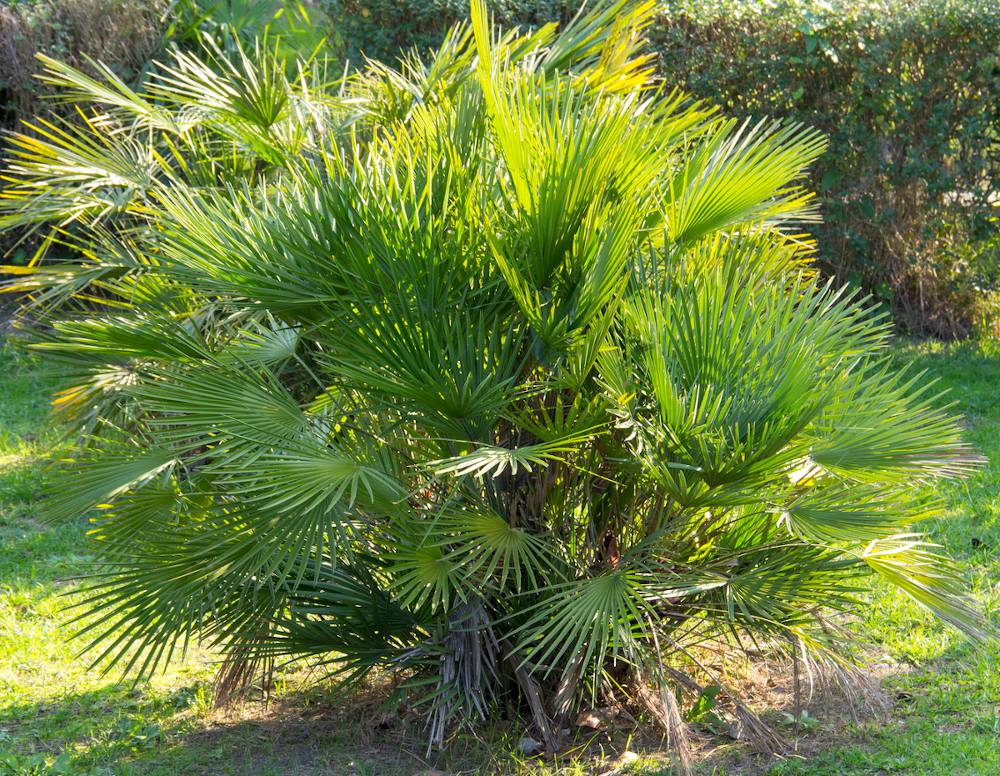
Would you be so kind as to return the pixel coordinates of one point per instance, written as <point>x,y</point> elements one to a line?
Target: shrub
<point>504,370</point>
<point>906,92</point>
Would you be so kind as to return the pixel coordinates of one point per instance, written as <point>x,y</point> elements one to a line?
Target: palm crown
<point>505,369</point>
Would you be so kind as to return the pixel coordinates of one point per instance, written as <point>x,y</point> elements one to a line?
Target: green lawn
<point>59,716</point>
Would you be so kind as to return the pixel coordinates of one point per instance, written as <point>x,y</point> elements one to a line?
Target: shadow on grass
<point>123,730</point>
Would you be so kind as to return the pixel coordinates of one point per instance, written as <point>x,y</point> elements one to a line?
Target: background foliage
<point>907,92</point>
<point>123,34</point>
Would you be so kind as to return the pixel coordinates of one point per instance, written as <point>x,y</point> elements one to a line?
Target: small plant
<point>505,371</point>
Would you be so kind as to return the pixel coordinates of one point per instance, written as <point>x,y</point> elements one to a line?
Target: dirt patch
<point>312,730</point>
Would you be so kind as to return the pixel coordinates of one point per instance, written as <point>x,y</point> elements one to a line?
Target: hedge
<point>908,92</point>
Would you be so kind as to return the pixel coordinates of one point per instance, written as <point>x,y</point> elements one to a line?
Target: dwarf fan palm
<point>505,370</point>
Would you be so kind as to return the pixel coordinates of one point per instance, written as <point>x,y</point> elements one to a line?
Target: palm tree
<point>505,370</point>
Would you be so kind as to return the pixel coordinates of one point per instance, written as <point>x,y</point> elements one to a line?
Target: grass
<point>59,716</point>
